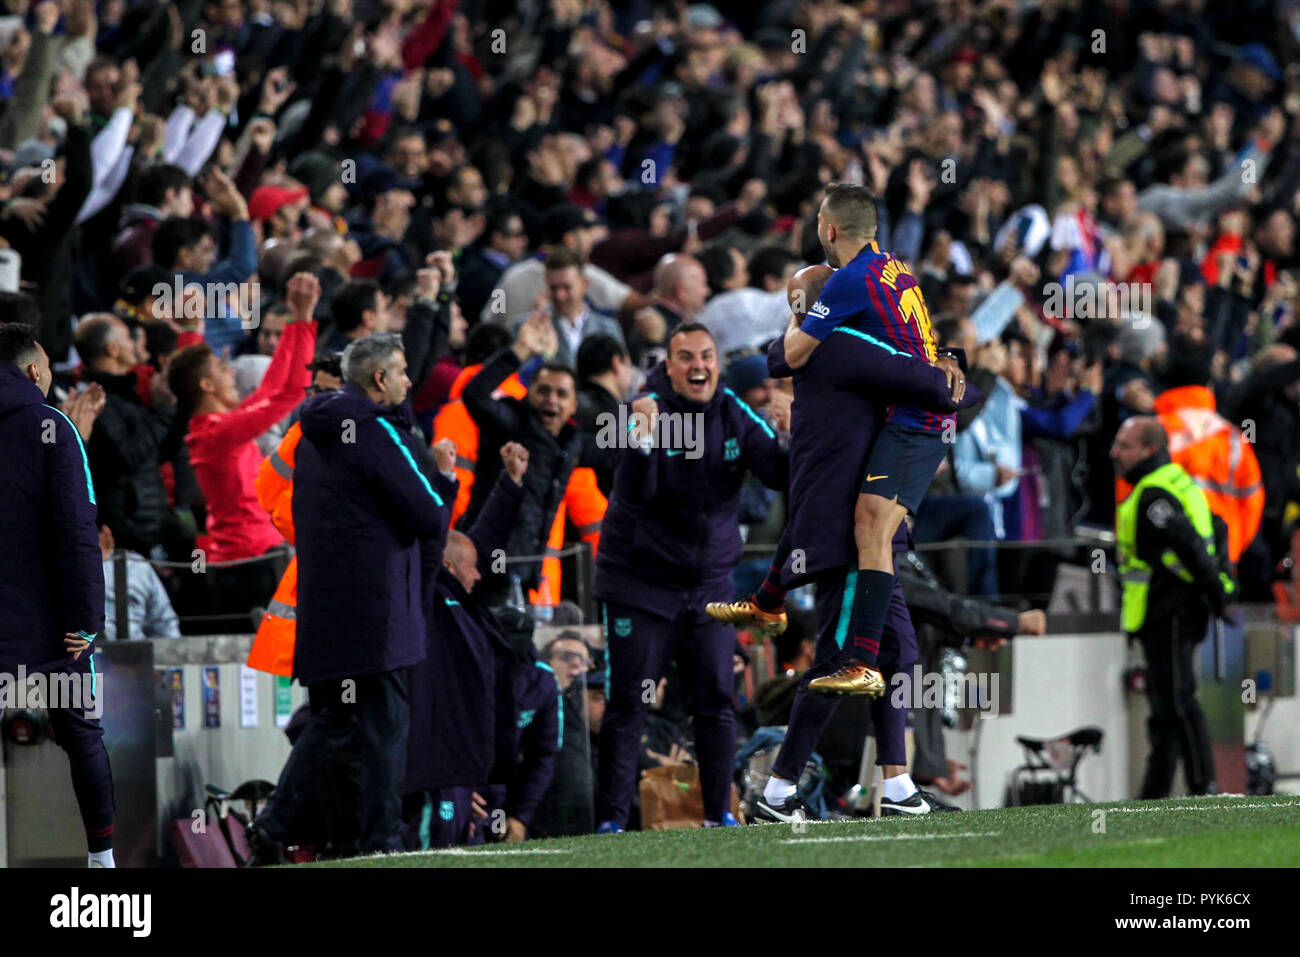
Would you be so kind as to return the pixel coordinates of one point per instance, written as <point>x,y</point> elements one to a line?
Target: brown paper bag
<point>671,798</point>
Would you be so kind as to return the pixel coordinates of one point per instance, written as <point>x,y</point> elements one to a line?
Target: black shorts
<point>902,464</point>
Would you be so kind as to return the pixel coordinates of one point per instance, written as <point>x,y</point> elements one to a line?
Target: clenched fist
<point>645,414</point>
<point>779,408</point>
<point>302,294</point>
<point>515,459</point>
<point>444,453</point>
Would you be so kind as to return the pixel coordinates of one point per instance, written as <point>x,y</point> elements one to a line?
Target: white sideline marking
<point>1202,807</point>
<point>469,852</point>
<point>889,837</point>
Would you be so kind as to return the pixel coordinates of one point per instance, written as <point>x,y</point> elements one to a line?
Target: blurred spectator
<point>504,242</point>
<point>185,244</point>
<point>680,290</point>
<point>222,430</point>
<point>746,318</point>
<point>574,321</point>
<point>1267,403</point>
<point>559,458</point>
<point>606,376</point>
<point>987,456</point>
<point>568,806</point>
<point>162,191</point>
<point>359,309</point>
<point>1209,447</point>
<point>520,286</point>
<point>453,420</point>
<point>149,609</point>
<point>949,510</point>
<point>131,440</point>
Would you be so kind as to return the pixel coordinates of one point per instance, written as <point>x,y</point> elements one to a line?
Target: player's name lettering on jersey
<point>892,269</point>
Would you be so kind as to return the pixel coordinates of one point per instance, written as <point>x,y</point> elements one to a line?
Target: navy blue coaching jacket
<point>452,692</point>
<point>841,397</point>
<point>51,570</point>
<point>538,736</point>
<point>482,709</point>
<point>361,506</point>
<point>672,521</point>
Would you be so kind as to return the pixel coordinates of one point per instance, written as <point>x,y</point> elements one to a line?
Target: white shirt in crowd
<point>520,285</point>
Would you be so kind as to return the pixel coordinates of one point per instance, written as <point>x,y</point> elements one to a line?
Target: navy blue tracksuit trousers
<point>898,654</point>
<point>638,647</point>
<point>82,739</point>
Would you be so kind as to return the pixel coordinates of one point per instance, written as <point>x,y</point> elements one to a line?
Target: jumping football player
<point>874,297</point>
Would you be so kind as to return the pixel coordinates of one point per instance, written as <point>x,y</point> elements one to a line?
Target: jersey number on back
<point>913,309</point>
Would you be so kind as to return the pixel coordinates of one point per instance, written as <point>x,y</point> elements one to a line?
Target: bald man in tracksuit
<point>669,543</point>
<point>450,750</point>
<point>852,384</point>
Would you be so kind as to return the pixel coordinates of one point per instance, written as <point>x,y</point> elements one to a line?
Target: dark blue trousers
<point>639,646</point>
<point>441,818</point>
<point>384,721</point>
<point>898,654</point>
<point>82,739</point>
<point>306,807</point>
<point>374,712</point>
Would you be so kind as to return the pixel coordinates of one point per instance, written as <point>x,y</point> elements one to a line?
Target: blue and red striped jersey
<point>876,298</point>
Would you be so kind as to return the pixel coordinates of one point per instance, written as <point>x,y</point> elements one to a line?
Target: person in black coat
<point>130,440</point>
<point>503,243</point>
<point>605,373</point>
<point>51,576</point>
<point>366,515</point>
<point>542,422</point>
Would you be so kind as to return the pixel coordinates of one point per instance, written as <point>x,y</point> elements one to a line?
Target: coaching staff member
<point>670,541</point>
<point>1173,562</point>
<point>362,506</point>
<point>51,576</point>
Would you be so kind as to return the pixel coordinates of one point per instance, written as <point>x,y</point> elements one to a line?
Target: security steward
<point>1174,573</point>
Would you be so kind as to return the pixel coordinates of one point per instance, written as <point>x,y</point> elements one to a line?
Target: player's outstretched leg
<point>902,463</point>
<point>764,611</point>
<point>875,521</point>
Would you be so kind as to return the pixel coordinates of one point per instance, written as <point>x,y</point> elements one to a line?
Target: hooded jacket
<point>133,245</point>
<point>51,572</point>
<point>361,506</point>
<point>672,522</point>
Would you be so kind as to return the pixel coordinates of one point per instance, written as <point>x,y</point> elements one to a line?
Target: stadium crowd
<point>211,201</point>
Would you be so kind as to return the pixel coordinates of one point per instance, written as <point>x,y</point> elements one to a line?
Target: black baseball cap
<point>562,220</point>
<point>140,282</point>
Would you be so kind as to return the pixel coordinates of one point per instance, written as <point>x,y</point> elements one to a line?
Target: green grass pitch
<point>1200,832</point>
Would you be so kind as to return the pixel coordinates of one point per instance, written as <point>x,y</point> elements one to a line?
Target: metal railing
<point>578,572</point>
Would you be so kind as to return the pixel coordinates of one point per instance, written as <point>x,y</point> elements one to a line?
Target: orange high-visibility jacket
<point>273,647</point>
<point>1218,458</point>
<point>453,422</point>
<point>585,504</point>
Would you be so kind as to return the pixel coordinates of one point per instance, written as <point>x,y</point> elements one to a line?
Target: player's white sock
<point>898,788</point>
<point>101,859</point>
<point>778,790</point>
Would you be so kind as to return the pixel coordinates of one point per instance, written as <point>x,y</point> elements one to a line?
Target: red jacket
<point>225,456</point>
